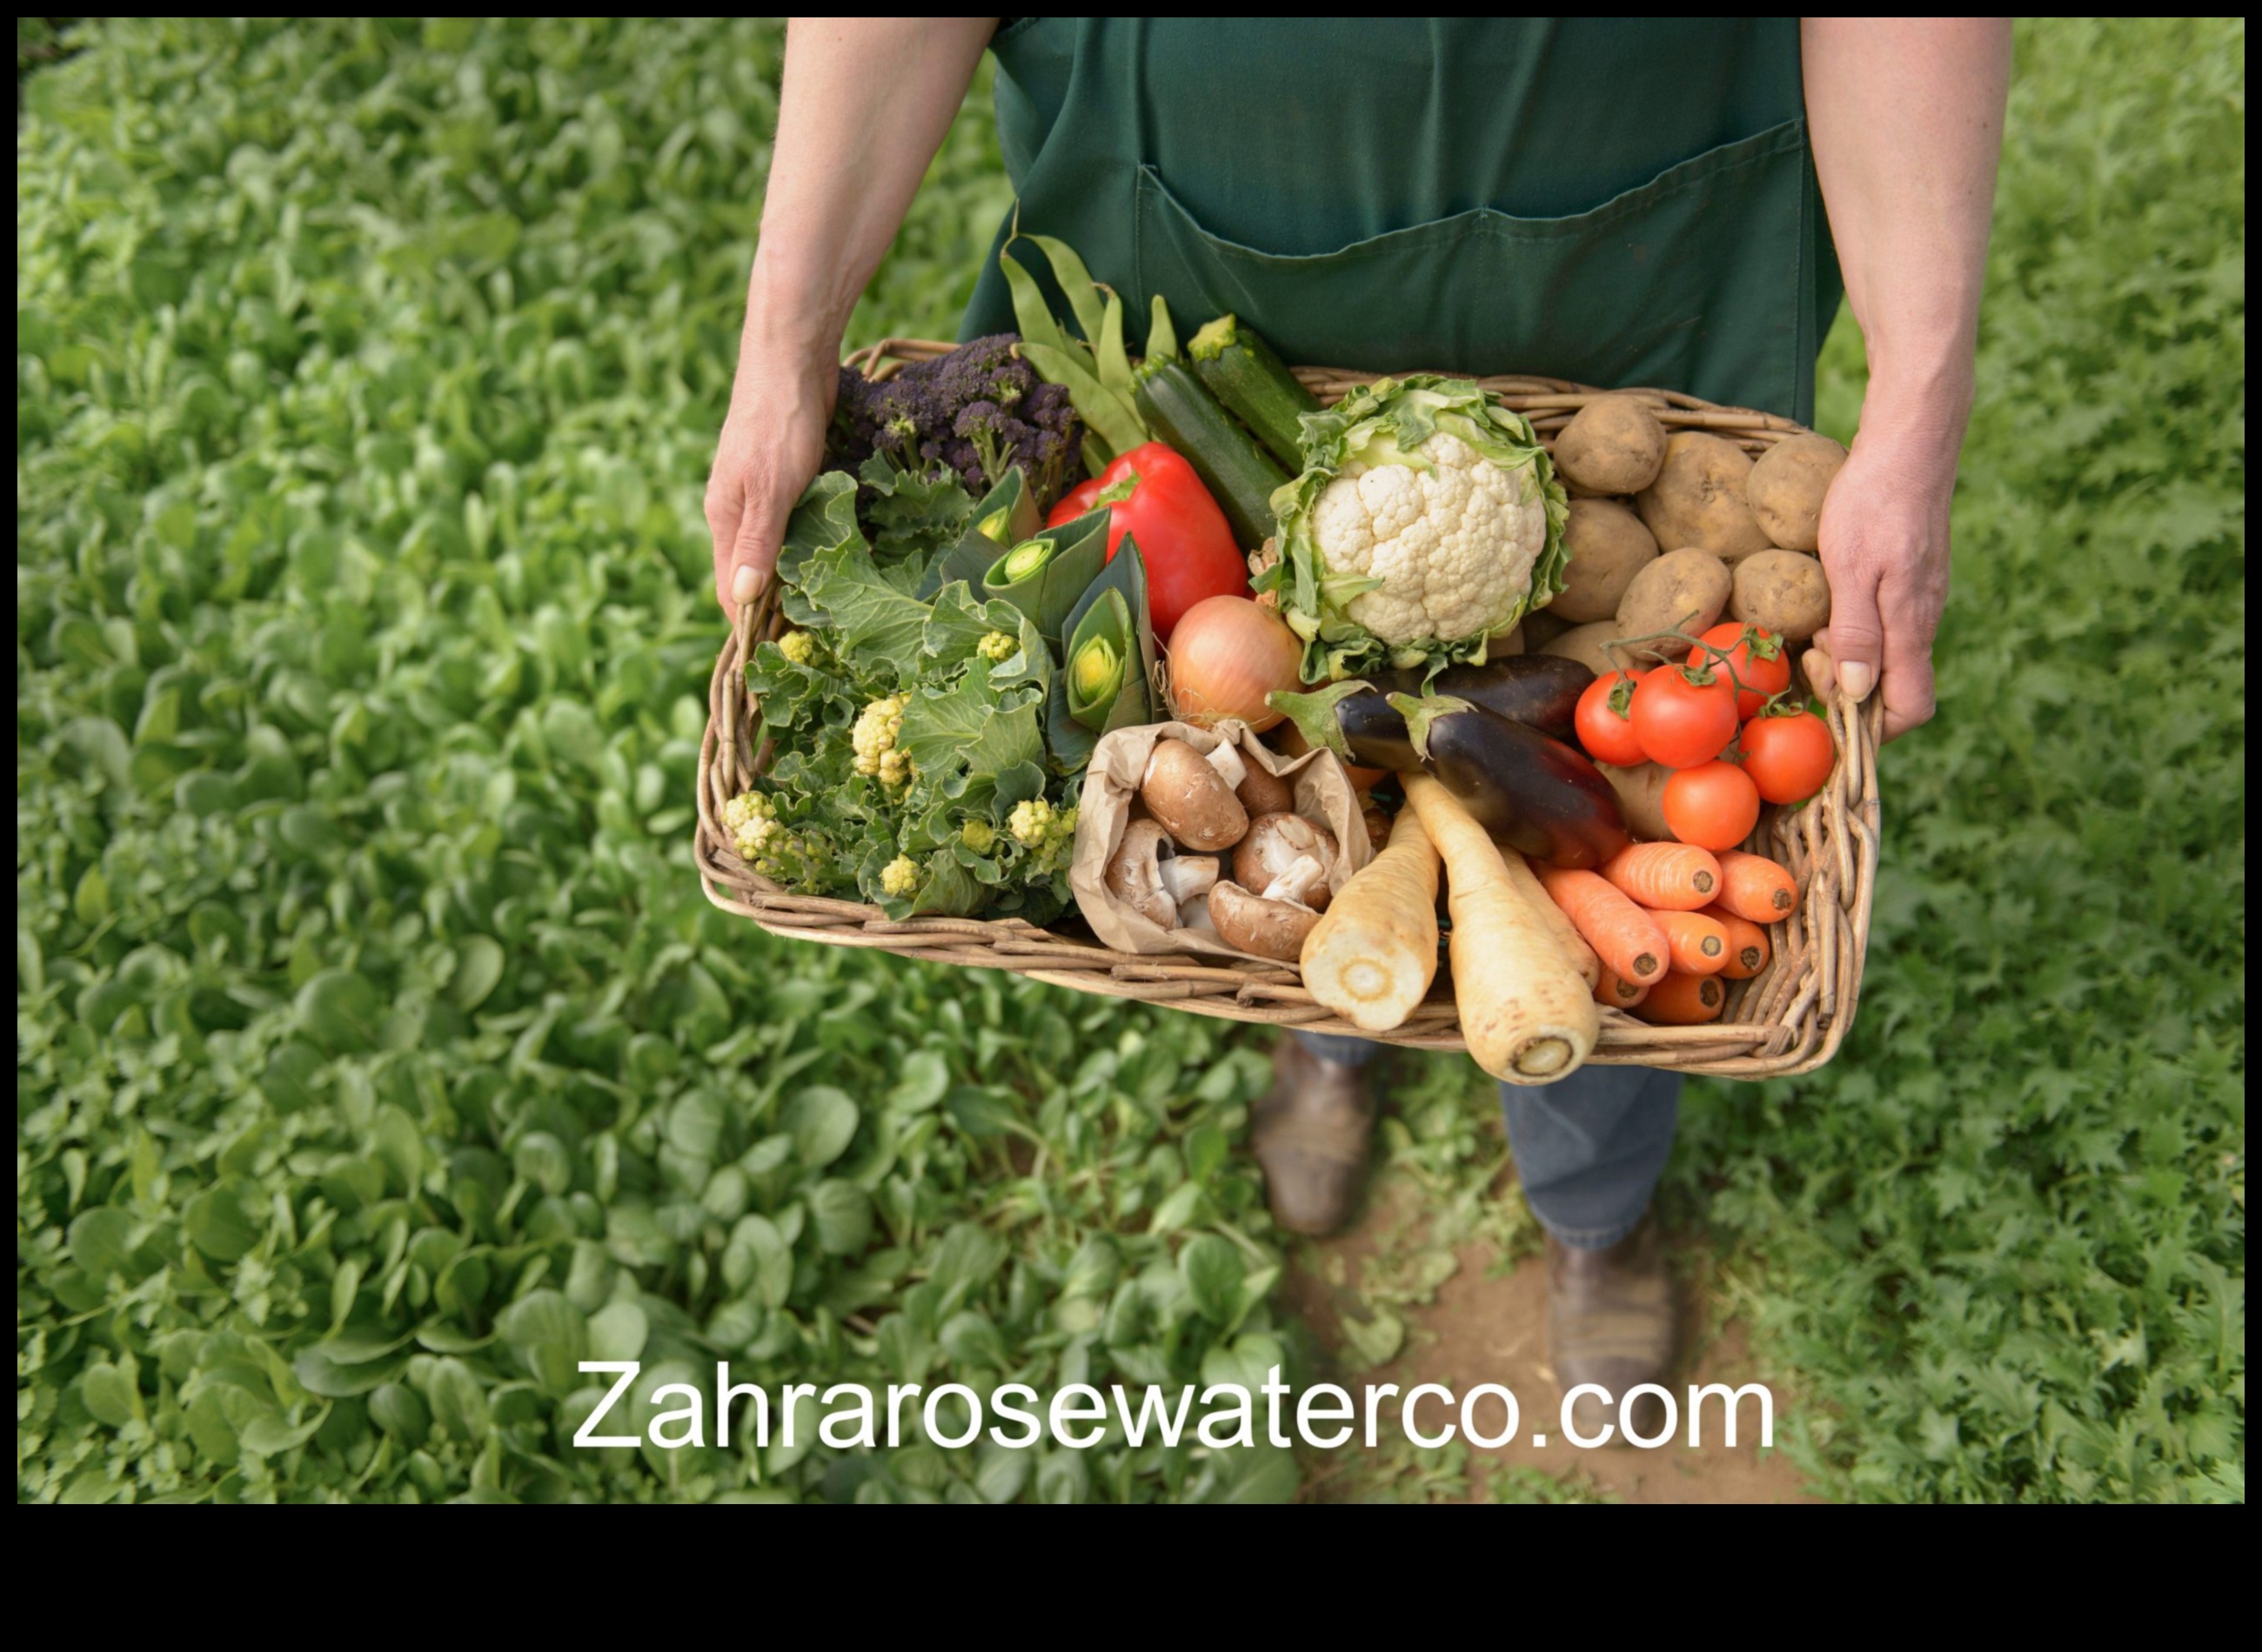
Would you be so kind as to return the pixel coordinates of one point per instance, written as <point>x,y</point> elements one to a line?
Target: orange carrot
<point>1699,945</point>
<point>1753,887</point>
<point>1617,994</point>
<point>1624,936</point>
<point>1666,876</point>
<point>1684,1000</point>
<point>1747,944</point>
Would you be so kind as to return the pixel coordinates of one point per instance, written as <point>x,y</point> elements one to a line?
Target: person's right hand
<point>773,443</point>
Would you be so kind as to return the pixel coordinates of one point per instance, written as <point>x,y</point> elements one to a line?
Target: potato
<point>1701,498</point>
<point>1502,644</point>
<point>1608,546</point>
<point>1781,591</point>
<point>1787,486</point>
<point>1584,643</point>
<point>1614,445</point>
<point>1641,798</point>
<point>1682,590</point>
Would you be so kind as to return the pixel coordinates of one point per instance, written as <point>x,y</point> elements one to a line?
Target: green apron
<point>1613,202</point>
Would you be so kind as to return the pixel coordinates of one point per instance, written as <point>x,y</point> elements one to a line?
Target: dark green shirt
<point>1614,202</point>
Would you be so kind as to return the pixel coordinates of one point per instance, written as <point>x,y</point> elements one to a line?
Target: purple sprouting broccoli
<point>977,410</point>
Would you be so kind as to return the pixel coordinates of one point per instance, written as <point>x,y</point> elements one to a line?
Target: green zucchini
<point>1242,373</point>
<point>1239,475</point>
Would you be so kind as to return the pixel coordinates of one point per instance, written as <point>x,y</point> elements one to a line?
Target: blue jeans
<point>1588,1147</point>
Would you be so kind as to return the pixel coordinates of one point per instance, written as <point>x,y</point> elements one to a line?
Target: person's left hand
<point>1884,550</point>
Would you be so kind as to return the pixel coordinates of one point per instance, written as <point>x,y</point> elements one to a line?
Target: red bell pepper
<point>1154,495</point>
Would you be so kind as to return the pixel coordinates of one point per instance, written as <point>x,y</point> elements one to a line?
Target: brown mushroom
<point>1135,874</point>
<point>1191,799</point>
<point>1189,877</point>
<point>1268,928</point>
<point>1261,792</point>
<point>1304,883</point>
<point>1378,823</point>
<point>1275,843</point>
<point>1226,758</point>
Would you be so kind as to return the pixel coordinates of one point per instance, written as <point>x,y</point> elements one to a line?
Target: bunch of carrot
<point>1670,921</point>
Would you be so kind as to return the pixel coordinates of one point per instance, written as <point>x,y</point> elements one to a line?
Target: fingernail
<point>745,584</point>
<point>1857,679</point>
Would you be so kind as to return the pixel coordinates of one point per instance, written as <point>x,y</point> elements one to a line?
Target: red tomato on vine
<point>1605,729</point>
<point>1760,662</point>
<point>1788,757</point>
<point>1681,721</point>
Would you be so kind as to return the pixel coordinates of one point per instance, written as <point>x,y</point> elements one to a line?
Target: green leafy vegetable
<point>914,721</point>
<point>913,514</point>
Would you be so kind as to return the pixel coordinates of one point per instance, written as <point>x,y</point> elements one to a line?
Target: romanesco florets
<point>998,647</point>
<point>1036,825</point>
<point>798,646</point>
<point>877,729</point>
<point>1031,821</point>
<point>899,876</point>
<point>751,819</point>
<point>978,835</point>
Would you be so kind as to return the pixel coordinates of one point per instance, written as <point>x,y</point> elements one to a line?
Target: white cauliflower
<point>1454,543</point>
<point>1427,517</point>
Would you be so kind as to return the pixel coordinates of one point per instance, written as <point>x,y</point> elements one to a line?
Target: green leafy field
<point>379,1058</point>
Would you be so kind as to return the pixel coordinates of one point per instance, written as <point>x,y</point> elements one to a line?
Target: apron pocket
<point>1697,280</point>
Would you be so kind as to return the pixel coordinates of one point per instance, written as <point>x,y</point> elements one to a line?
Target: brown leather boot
<point>1310,1133</point>
<point>1609,1321</point>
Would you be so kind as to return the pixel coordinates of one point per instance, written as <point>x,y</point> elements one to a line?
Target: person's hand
<point>1884,550</point>
<point>773,441</point>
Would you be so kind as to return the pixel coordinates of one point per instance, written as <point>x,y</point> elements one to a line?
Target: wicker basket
<point>1788,1019</point>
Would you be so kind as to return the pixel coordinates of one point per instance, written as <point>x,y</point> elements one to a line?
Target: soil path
<point>1485,1329</point>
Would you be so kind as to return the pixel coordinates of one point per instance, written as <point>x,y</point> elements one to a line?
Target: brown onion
<point>1226,654</point>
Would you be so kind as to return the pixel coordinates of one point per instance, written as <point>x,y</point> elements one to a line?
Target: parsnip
<point>1527,1016</point>
<point>1372,958</point>
<point>1576,952</point>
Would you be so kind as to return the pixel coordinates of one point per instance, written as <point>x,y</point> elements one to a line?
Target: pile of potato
<point>1677,532</point>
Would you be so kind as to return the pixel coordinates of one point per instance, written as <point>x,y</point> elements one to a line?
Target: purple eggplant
<point>1534,794</point>
<point>1538,690</point>
<point>1353,719</point>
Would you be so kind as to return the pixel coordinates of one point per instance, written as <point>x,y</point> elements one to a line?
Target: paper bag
<point>1110,801</point>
